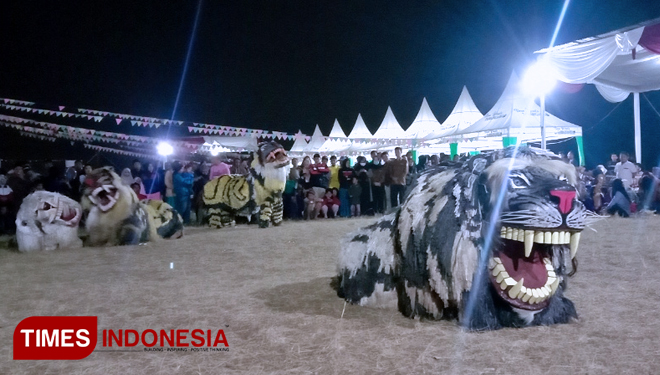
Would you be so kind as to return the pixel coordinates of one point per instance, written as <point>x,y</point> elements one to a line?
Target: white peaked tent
<point>360,131</point>
<point>333,144</point>
<point>618,63</point>
<point>300,144</point>
<point>231,143</point>
<point>390,127</point>
<point>424,124</point>
<point>316,141</point>
<point>516,118</point>
<point>464,114</point>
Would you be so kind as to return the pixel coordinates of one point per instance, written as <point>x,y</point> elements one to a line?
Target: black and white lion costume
<point>259,193</point>
<point>117,217</point>
<point>489,242</point>
<point>48,221</point>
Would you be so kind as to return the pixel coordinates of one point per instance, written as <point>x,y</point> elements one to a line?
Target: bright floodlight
<point>215,151</point>
<point>165,149</point>
<point>539,79</point>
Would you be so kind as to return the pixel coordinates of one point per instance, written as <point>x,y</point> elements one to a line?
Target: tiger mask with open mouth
<point>490,242</point>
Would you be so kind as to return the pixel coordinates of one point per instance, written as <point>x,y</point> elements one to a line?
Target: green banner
<point>453,150</point>
<point>509,141</point>
<point>580,146</point>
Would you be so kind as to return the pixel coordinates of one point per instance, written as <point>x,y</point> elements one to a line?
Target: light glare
<point>165,149</point>
<point>539,79</point>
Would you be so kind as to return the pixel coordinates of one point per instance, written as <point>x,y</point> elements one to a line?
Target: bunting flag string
<point>122,152</point>
<point>86,134</point>
<point>59,113</point>
<point>97,116</point>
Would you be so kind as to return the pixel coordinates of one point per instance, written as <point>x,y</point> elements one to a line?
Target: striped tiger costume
<point>258,193</point>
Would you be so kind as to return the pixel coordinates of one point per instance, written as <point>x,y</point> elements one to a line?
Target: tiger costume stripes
<point>490,242</point>
<point>117,217</point>
<point>259,193</point>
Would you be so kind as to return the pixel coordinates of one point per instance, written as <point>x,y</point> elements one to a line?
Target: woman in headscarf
<point>127,177</point>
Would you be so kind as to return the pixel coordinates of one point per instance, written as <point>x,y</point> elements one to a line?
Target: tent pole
<point>638,129</point>
<point>542,121</point>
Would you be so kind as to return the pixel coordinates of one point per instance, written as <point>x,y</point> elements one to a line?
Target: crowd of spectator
<point>178,183</point>
<point>318,187</point>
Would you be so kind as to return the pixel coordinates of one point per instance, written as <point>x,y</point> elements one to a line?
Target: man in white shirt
<point>625,170</point>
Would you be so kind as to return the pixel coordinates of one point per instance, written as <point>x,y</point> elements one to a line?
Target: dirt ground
<point>268,289</point>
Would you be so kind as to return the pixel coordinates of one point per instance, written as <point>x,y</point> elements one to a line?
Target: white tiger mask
<point>490,241</point>
<point>47,221</point>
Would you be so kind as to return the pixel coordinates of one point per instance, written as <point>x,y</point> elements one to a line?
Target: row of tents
<point>514,118</point>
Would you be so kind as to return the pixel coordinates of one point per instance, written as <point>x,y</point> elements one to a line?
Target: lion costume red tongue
<point>532,269</point>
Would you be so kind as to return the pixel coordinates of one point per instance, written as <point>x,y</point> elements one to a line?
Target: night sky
<point>288,65</point>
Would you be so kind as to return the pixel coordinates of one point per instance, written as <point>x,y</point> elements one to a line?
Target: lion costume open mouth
<point>491,241</point>
<point>521,269</point>
<point>58,209</point>
<point>104,197</point>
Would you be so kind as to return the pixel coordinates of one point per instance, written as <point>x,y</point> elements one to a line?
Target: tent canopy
<point>517,115</point>
<point>233,143</point>
<point>316,141</point>
<point>424,124</point>
<point>618,63</point>
<point>360,129</point>
<point>390,127</point>
<point>464,114</point>
<point>335,145</point>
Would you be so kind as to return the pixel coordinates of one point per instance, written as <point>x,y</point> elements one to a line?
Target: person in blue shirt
<point>183,181</point>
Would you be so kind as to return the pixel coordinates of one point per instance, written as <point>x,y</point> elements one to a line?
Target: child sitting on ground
<point>330,203</point>
<point>312,205</point>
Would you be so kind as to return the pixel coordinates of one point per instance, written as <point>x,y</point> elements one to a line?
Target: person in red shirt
<point>330,203</point>
<point>318,170</point>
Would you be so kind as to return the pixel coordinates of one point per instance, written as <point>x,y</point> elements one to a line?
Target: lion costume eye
<point>563,178</point>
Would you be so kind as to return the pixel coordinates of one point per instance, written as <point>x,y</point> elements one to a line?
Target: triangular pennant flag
<point>118,120</point>
<point>61,107</point>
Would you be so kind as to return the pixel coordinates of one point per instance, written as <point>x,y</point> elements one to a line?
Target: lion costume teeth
<point>490,242</point>
<point>117,217</point>
<point>47,221</point>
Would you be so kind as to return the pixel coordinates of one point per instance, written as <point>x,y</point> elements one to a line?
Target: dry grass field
<point>269,290</point>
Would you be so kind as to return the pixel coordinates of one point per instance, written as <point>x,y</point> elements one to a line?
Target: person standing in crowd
<point>7,207</point>
<point>355,194</point>
<point>411,168</point>
<point>168,181</point>
<point>346,175</point>
<point>334,173</point>
<point>318,171</point>
<point>219,168</point>
<point>625,170</point>
<point>152,182</point>
<point>620,203</point>
<point>611,164</point>
<point>361,170</point>
<point>183,181</point>
<point>397,171</point>
<point>570,159</point>
<point>136,170</point>
<point>377,168</point>
<point>384,158</point>
<point>290,196</point>
<point>201,179</point>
